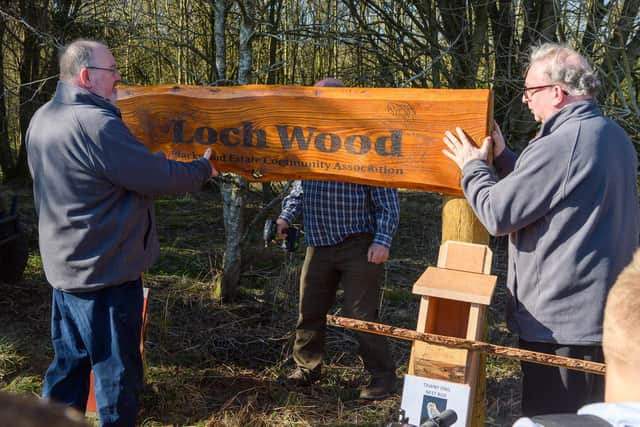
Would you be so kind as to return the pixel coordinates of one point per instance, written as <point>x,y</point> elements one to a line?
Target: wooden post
<point>459,223</point>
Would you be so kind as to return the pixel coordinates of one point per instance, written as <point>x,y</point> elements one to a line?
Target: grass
<point>213,364</point>
<point>10,358</point>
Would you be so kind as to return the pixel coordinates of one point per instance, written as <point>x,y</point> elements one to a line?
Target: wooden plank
<point>449,364</point>
<point>440,370</point>
<point>464,256</point>
<point>456,285</point>
<point>477,313</point>
<point>436,353</point>
<point>421,326</point>
<point>476,363</point>
<point>381,136</point>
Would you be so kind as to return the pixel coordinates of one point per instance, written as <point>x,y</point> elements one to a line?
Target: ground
<point>213,364</point>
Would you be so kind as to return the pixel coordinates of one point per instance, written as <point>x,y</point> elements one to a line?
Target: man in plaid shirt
<point>348,232</point>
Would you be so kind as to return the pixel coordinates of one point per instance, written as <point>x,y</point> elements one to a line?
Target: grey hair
<point>564,65</point>
<point>75,56</point>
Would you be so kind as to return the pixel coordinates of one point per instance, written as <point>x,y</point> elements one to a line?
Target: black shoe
<point>302,378</point>
<point>379,388</point>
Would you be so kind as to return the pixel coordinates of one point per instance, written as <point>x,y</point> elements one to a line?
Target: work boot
<point>301,377</point>
<point>379,388</point>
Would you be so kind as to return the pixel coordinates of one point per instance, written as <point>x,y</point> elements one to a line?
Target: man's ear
<point>559,96</point>
<point>84,78</point>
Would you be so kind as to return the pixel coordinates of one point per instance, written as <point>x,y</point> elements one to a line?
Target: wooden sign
<point>385,137</point>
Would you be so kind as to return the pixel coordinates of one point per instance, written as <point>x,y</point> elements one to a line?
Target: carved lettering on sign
<point>386,137</point>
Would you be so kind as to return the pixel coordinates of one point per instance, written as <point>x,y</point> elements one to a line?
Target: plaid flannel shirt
<point>335,210</point>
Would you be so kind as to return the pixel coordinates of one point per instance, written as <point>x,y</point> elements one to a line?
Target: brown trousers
<point>323,270</point>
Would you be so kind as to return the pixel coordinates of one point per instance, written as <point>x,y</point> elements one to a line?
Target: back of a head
<point>74,56</point>
<point>329,82</point>
<point>29,411</point>
<point>620,337</point>
<point>566,66</point>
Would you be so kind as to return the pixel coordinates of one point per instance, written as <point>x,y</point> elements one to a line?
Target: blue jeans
<point>97,330</point>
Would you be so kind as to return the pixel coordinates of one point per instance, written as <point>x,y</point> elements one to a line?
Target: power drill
<point>270,234</point>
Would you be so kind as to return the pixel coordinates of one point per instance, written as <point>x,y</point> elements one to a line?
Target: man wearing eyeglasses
<point>94,184</point>
<point>569,205</point>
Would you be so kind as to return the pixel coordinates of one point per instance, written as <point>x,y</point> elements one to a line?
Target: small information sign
<point>424,398</point>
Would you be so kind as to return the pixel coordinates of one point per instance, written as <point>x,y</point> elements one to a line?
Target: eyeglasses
<point>113,70</point>
<point>525,90</point>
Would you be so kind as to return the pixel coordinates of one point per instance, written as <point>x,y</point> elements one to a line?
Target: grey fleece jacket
<point>570,207</point>
<point>93,185</point>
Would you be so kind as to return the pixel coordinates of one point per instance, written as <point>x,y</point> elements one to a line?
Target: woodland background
<point>371,43</point>
<point>222,307</point>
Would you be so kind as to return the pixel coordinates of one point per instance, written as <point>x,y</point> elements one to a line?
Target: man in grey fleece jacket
<point>93,186</point>
<point>569,205</point>
<point>621,346</point>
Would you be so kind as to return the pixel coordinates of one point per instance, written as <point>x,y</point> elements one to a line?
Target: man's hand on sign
<point>461,149</point>
<point>207,155</point>
<point>282,225</point>
<point>498,140</point>
<point>377,253</point>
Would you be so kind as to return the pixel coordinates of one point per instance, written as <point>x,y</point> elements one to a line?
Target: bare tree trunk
<point>621,52</point>
<point>275,12</point>
<point>6,161</point>
<point>182,22</point>
<point>508,61</point>
<point>157,67</point>
<point>247,26</point>
<point>540,23</point>
<point>596,12</point>
<point>234,190</point>
<point>220,10</point>
<point>29,71</point>
<point>465,29</point>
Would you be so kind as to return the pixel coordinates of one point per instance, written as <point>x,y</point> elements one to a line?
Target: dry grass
<point>210,364</point>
